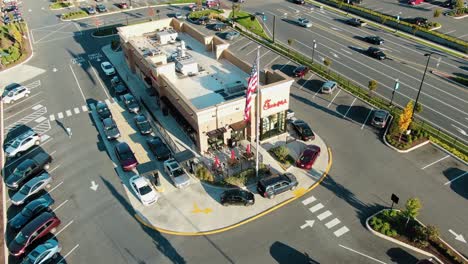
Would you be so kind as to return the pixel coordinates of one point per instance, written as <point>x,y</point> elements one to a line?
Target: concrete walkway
<point>196,209</point>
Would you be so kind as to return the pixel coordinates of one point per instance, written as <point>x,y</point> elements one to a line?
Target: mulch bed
<point>404,141</point>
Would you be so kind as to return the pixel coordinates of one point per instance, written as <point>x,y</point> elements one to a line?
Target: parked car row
<point>10,12</point>
<point>35,219</point>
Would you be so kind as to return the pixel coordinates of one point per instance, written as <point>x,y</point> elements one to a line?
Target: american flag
<point>252,85</point>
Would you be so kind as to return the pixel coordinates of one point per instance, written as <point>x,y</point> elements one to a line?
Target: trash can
<point>165,111</point>
<point>156,180</point>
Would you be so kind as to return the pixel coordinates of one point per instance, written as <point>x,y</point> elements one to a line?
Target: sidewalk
<point>196,209</point>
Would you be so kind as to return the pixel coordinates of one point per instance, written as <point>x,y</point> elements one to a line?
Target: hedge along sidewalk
<point>398,242</point>
<point>459,149</point>
<point>126,10</point>
<point>29,57</point>
<point>397,31</point>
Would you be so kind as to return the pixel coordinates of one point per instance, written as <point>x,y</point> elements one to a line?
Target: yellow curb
<point>224,229</point>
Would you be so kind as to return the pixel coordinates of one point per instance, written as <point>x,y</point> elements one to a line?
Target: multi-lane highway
<point>445,104</point>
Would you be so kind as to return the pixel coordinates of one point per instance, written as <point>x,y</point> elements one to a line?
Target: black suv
<point>376,53</point>
<point>237,197</point>
<point>27,169</point>
<point>376,40</point>
<point>103,111</point>
<point>271,186</point>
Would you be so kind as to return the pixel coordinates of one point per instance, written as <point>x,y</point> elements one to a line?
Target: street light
<point>395,87</point>
<point>428,55</point>
<point>313,50</point>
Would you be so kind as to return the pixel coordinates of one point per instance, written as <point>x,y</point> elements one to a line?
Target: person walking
<point>69,132</point>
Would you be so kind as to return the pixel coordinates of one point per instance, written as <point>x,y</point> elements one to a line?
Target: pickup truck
<point>356,22</point>
<point>27,169</point>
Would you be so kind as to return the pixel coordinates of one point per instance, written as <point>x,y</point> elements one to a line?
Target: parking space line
<point>286,64</point>
<point>69,252</point>
<point>343,230</point>
<point>271,62</point>
<point>40,119</point>
<point>56,187</point>
<point>332,223</point>
<point>304,84</point>
<point>60,115</point>
<point>349,107</point>
<point>24,100</point>
<point>76,110</point>
<point>36,107</point>
<point>232,44</point>
<point>365,121</point>
<point>56,167</point>
<point>324,215</point>
<point>64,202</point>
<point>316,207</point>
<point>308,200</point>
<point>245,46</point>
<point>69,223</point>
<point>268,51</point>
<point>362,254</point>
<point>441,159</point>
<point>77,83</point>
<point>99,79</point>
<point>456,178</point>
<point>251,51</point>
<point>334,98</point>
<point>19,112</point>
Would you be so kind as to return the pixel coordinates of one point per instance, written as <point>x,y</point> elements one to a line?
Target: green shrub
<point>204,174</point>
<point>58,5</point>
<point>281,152</point>
<point>74,15</point>
<point>376,223</point>
<point>238,180</point>
<point>207,12</point>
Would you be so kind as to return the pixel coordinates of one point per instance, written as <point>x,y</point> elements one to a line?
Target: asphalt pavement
<point>444,104</point>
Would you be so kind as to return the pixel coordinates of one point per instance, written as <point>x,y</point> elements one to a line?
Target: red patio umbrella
<point>216,162</point>
<point>233,154</point>
<point>248,149</point>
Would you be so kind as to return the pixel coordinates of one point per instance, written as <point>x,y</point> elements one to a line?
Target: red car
<point>122,5</point>
<point>300,71</point>
<point>34,230</point>
<point>308,157</point>
<point>126,157</point>
<point>415,2</point>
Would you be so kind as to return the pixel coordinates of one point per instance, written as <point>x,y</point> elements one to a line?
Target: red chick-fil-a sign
<point>268,104</point>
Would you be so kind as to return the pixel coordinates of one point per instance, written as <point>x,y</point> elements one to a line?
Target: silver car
<point>22,143</point>
<point>380,117</point>
<point>232,35</point>
<point>177,174</point>
<point>32,187</point>
<point>304,22</point>
<point>43,253</point>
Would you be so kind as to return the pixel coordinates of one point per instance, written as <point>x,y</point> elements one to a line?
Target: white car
<point>143,190</point>
<point>107,68</point>
<point>304,22</point>
<point>15,94</point>
<point>43,253</point>
<point>177,174</point>
<point>22,143</point>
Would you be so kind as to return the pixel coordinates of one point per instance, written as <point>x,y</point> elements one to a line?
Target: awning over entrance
<point>183,156</point>
<point>216,132</point>
<point>238,125</point>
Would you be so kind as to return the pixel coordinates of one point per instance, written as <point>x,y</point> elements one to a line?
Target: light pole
<point>428,55</point>
<point>397,85</point>
<point>347,9</point>
<point>313,50</point>
<point>274,27</point>
<point>398,20</point>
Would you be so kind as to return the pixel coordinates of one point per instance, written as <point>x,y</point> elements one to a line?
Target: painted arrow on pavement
<point>308,223</point>
<point>94,186</point>
<point>458,237</point>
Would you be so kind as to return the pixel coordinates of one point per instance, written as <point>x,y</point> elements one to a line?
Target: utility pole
<point>274,27</point>
<point>313,50</point>
<point>395,87</point>
<point>428,55</point>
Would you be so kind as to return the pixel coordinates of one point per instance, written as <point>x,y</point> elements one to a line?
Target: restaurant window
<point>273,125</point>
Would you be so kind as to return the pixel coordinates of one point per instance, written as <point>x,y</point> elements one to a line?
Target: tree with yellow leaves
<point>405,118</point>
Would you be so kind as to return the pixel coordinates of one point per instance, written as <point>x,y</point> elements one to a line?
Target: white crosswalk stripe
<point>76,110</point>
<point>43,127</point>
<point>40,119</point>
<point>343,230</point>
<point>324,215</point>
<point>36,107</point>
<point>309,200</point>
<point>60,115</point>
<point>68,112</point>
<point>52,118</point>
<point>33,85</point>
<point>332,223</point>
<point>316,207</point>
<point>84,108</point>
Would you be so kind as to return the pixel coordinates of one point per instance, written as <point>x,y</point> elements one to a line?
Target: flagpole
<point>257,118</point>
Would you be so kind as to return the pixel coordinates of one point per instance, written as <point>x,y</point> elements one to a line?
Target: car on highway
<point>237,197</point>
<point>303,130</point>
<point>22,143</point>
<point>379,118</point>
<point>299,2</point>
<point>110,128</point>
<point>31,188</point>
<point>37,228</point>
<point>102,110</point>
<point>308,157</point>
<point>130,102</point>
<point>43,253</point>
<point>300,71</point>
<point>29,211</point>
<point>376,53</point>
<point>101,8</point>
<point>27,169</point>
<point>231,35</point>
<point>107,68</point>
<point>142,189</point>
<point>122,5</point>
<point>125,156</point>
<point>356,22</point>
<point>328,87</point>
<point>269,187</point>
<point>16,94</point>
<point>143,124</point>
<point>158,148</point>
<point>304,22</point>
<point>90,10</point>
<point>415,2</point>
<point>376,40</point>
<point>177,174</point>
